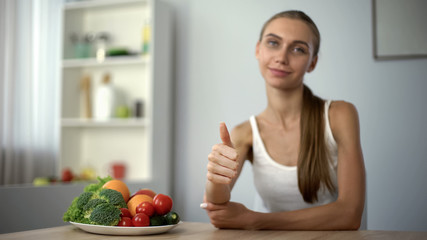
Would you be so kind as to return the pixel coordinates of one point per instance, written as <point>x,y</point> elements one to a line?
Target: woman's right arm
<point>225,164</point>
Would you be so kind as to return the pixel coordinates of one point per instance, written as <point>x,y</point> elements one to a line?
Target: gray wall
<point>217,79</point>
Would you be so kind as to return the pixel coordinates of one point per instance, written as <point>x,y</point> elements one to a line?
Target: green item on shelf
<point>41,181</point>
<point>117,52</point>
<point>122,112</point>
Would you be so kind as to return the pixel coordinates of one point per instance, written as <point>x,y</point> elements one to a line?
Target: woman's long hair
<point>313,160</point>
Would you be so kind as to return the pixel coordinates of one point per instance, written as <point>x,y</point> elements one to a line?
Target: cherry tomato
<point>162,204</point>
<point>141,220</point>
<point>145,207</point>
<point>125,213</point>
<point>125,222</point>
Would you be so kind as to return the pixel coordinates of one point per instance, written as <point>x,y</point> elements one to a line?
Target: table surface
<point>196,230</point>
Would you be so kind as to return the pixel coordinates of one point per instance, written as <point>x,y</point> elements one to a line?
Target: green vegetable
<point>94,187</point>
<point>84,199</point>
<point>88,208</point>
<point>74,213</point>
<point>172,218</point>
<point>157,220</point>
<point>114,197</point>
<point>105,214</point>
<point>96,205</point>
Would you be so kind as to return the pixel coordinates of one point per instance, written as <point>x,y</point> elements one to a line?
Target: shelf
<point>115,122</point>
<point>143,144</point>
<point>109,61</point>
<point>95,3</point>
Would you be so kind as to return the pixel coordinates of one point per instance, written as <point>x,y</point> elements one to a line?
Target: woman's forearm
<point>217,193</point>
<point>334,216</point>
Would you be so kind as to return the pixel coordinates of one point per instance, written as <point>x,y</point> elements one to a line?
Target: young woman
<point>306,155</point>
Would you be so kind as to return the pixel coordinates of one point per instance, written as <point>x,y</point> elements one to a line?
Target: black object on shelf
<point>138,109</point>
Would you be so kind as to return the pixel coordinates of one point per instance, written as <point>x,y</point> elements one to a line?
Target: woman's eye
<point>299,50</point>
<point>272,43</point>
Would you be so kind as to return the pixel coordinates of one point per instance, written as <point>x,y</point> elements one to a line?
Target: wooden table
<point>193,230</point>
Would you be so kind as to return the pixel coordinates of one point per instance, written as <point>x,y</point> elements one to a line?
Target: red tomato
<point>141,220</point>
<point>125,222</point>
<point>125,213</point>
<point>162,204</point>
<point>145,207</point>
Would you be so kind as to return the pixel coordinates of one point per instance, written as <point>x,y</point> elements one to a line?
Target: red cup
<point>119,170</point>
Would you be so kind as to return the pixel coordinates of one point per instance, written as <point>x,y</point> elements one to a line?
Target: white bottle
<point>104,100</point>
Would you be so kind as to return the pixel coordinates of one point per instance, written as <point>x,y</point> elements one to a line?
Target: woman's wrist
<point>217,193</point>
<point>255,220</point>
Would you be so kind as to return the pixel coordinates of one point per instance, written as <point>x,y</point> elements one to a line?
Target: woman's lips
<point>279,73</point>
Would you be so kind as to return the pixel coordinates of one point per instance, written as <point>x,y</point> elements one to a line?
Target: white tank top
<point>277,184</point>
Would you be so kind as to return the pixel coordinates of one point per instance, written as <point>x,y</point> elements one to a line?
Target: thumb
<point>211,206</point>
<point>225,136</point>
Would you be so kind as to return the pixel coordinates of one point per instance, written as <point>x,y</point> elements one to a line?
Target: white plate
<point>114,230</point>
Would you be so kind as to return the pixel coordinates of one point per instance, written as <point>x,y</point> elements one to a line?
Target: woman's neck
<point>284,107</point>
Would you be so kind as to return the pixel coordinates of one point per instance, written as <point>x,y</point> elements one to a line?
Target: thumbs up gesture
<point>222,166</point>
<point>225,135</point>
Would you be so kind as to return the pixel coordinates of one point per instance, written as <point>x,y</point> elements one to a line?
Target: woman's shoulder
<point>343,116</point>
<point>339,109</point>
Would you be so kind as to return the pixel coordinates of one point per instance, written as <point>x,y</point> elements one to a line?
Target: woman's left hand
<point>230,215</point>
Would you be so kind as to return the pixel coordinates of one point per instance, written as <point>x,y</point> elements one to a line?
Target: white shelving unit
<point>142,144</point>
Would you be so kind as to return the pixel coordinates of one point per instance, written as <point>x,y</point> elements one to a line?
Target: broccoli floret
<point>75,212</point>
<point>105,214</point>
<point>96,205</point>
<point>94,187</point>
<point>92,204</point>
<point>88,209</point>
<point>114,197</point>
<point>84,199</point>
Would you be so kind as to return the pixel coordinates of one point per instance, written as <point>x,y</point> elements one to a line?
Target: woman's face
<point>285,53</point>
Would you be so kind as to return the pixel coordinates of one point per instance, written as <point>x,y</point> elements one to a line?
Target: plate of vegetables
<point>106,207</point>
<point>124,231</point>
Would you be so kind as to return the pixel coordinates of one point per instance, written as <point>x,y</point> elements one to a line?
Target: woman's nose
<point>282,57</point>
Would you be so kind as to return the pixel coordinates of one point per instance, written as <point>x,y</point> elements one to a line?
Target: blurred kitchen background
<point>137,89</point>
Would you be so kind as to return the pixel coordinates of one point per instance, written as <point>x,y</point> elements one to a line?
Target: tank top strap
<point>328,130</point>
<point>256,138</point>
